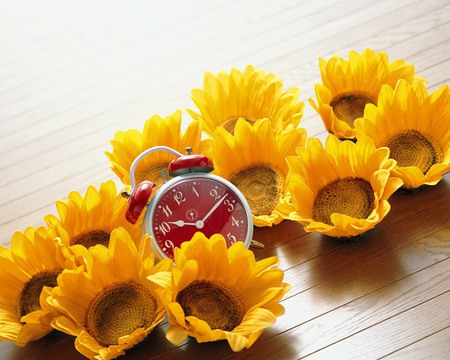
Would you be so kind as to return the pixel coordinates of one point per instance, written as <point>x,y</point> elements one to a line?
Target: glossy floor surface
<point>72,73</point>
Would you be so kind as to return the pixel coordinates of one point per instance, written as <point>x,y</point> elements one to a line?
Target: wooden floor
<point>72,73</point>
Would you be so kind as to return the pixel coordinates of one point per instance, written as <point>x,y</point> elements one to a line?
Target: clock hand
<point>214,208</point>
<point>180,223</point>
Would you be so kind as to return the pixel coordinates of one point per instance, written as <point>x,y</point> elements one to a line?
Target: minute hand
<point>214,208</point>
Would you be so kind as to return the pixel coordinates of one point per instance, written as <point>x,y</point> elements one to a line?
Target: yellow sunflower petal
<point>250,94</point>
<point>176,334</point>
<point>114,282</point>
<point>335,191</point>
<point>176,313</point>
<point>67,326</point>
<point>88,220</point>
<point>258,318</point>
<point>27,269</point>
<point>237,341</point>
<point>190,272</point>
<point>241,296</point>
<point>119,245</point>
<point>31,332</point>
<point>419,137</point>
<point>157,131</point>
<point>349,85</point>
<point>259,169</point>
<point>87,345</point>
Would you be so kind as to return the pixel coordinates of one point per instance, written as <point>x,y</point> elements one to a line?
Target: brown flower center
<point>230,124</point>
<point>29,297</point>
<point>92,238</point>
<point>212,302</point>
<point>349,107</point>
<point>349,196</point>
<point>261,185</point>
<point>411,148</point>
<point>152,173</point>
<point>118,311</point>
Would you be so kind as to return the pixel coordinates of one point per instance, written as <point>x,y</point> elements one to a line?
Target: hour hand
<point>180,223</point>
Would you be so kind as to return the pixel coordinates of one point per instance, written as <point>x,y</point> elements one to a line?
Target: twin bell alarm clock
<point>191,200</point>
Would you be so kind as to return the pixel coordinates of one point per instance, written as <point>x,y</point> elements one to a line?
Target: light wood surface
<point>72,73</point>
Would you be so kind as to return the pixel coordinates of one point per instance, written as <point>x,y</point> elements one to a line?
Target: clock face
<point>198,203</point>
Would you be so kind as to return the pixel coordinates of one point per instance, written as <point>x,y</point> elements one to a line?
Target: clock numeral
<point>229,204</point>
<point>194,190</point>
<point>234,222</point>
<point>179,197</point>
<point>214,194</point>
<point>166,210</point>
<point>164,228</point>
<point>169,244</point>
<point>231,238</point>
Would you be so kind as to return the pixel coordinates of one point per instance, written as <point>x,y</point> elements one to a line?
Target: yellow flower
<point>340,191</point>
<point>253,159</point>
<point>89,220</point>
<point>111,306</point>
<point>251,95</point>
<point>415,126</point>
<point>347,86</point>
<point>127,145</point>
<point>222,294</point>
<point>33,262</point>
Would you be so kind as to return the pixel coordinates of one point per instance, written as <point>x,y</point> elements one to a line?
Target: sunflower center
<point>29,297</point>
<point>349,107</point>
<point>92,238</point>
<point>230,124</point>
<point>118,311</point>
<point>261,185</point>
<point>349,196</point>
<point>411,148</point>
<point>212,302</point>
<point>152,173</point>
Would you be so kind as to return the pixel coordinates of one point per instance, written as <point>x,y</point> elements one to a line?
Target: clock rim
<point>148,220</point>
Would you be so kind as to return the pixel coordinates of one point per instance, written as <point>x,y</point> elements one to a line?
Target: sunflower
<point>222,294</point>
<point>111,305</point>
<point>33,262</point>
<point>415,126</point>
<point>340,191</point>
<point>253,159</point>
<point>347,86</point>
<point>251,95</point>
<point>127,145</point>
<point>86,221</point>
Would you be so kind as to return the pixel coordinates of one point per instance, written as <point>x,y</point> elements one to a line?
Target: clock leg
<point>257,244</point>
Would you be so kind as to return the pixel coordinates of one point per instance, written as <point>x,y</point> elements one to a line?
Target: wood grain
<point>74,73</point>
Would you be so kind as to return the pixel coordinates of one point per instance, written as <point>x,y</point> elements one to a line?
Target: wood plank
<point>309,87</point>
<point>157,66</point>
<point>73,74</point>
<point>334,283</point>
<point>435,346</point>
<point>348,319</point>
<point>426,317</point>
<point>374,308</point>
<point>19,166</point>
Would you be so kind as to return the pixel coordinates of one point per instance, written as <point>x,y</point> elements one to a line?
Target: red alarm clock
<point>192,200</point>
